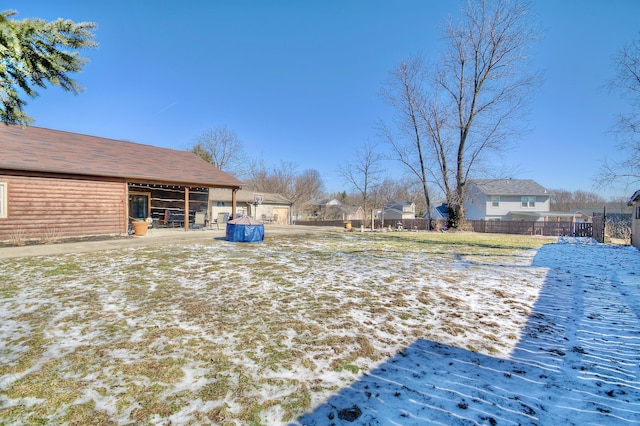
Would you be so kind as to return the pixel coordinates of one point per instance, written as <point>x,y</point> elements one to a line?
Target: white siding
<point>480,206</point>
<point>475,204</point>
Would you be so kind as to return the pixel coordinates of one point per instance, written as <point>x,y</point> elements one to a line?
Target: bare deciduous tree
<point>404,91</point>
<point>363,172</point>
<point>221,147</point>
<point>308,186</point>
<point>627,126</point>
<point>470,105</point>
<point>284,180</point>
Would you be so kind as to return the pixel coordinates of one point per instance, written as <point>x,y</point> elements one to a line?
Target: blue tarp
<point>245,229</point>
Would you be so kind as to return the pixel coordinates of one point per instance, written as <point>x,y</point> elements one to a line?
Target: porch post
<point>233,203</point>
<point>125,209</point>
<point>186,208</point>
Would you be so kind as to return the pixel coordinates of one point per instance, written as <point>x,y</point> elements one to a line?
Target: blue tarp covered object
<point>245,229</point>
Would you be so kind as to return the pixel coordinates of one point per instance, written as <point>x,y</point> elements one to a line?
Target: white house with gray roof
<point>507,199</point>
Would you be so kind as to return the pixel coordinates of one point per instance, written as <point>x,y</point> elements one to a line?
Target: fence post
<point>604,222</point>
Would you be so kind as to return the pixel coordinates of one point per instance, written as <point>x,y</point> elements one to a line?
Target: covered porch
<point>170,206</point>
<point>543,216</point>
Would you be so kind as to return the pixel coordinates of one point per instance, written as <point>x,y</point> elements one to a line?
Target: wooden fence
<point>394,224</point>
<point>553,229</point>
<point>598,228</point>
<point>549,229</point>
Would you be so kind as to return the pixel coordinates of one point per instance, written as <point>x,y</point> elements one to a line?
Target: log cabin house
<point>56,184</point>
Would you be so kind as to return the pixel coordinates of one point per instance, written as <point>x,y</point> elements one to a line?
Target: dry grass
<point>19,236</point>
<point>256,334</point>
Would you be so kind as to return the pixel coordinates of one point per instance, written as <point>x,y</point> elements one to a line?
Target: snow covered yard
<point>399,328</point>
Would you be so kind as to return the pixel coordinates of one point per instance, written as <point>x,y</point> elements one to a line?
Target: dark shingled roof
<point>52,151</point>
<point>510,187</point>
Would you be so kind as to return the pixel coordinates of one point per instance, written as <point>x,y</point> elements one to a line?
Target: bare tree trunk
<point>404,92</point>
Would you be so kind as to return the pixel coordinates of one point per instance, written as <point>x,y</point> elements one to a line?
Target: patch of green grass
<point>50,386</point>
<point>296,403</point>
<point>347,367</point>
<point>215,390</point>
<point>220,414</point>
<point>164,370</point>
<point>85,414</point>
<point>62,268</point>
<point>147,401</point>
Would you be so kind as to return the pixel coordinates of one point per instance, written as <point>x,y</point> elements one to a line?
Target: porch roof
<point>246,196</point>
<point>540,214</point>
<point>35,149</point>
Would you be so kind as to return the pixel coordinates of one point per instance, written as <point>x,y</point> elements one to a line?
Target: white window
<point>495,201</point>
<point>3,200</point>
<point>528,201</point>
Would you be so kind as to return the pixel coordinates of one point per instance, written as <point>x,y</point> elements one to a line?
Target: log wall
<point>44,208</point>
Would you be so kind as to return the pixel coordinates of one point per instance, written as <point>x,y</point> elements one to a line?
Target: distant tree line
<point>364,174</point>
<point>562,200</point>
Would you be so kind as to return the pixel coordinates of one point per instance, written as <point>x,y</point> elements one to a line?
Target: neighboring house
<point>331,209</point>
<point>440,212</point>
<point>317,209</point>
<point>57,184</point>
<point>399,210</point>
<point>584,215</point>
<point>634,202</point>
<point>346,212</point>
<point>274,208</point>
<point>508,199</point>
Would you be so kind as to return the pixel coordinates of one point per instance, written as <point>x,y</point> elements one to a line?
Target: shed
<point>56,184</point>
<point>245,229</point>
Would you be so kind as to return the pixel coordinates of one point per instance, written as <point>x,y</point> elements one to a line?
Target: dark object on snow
<point>245,229</point>
<point>350,414</point>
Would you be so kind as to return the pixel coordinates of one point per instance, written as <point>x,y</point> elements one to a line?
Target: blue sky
<point>299,81</point>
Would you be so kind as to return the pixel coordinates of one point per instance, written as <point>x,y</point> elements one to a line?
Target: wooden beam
<point>125,209</point>
<point>186,208</point>
<point>233,203</point>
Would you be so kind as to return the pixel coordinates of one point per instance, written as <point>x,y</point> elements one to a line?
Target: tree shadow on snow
<point>577,361</point>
